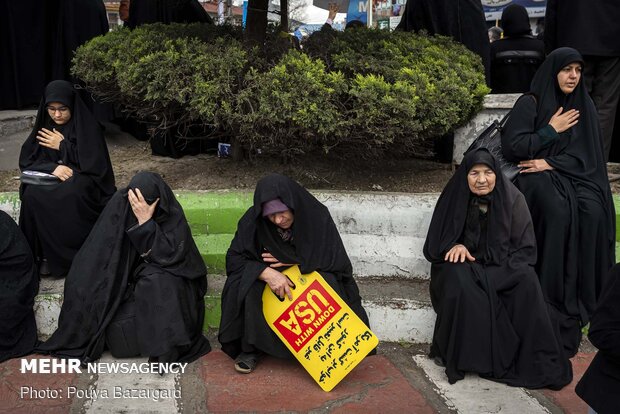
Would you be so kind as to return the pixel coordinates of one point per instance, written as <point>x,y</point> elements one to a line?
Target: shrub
<point>360,92</point>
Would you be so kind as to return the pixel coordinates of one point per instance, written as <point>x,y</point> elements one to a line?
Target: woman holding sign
<point>491,315</point>
<point>285,226</point>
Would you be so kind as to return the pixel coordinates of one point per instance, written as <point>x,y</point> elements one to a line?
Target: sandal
<point>246,362</point>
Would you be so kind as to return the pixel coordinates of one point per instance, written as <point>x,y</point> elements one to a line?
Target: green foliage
<point>358,92</point>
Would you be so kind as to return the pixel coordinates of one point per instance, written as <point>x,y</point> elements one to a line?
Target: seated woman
<point>600,385</point>
<point>491,315</point>
<point>286,226</point>
<point>553,133</point>
<point>19,284</point>
<point>67,142</point>
<point>141,250</point>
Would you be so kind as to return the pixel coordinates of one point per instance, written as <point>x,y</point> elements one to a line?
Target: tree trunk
<point>256,22</point>
<point>284,15</point>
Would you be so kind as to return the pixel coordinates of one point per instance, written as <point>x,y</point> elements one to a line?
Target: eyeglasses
<point>61,109</point>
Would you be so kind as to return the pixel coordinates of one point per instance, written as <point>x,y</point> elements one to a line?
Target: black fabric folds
<point>600,384</point>
<point>316,246</point>
<point>19,284</point>
<point>157,263</point>
<point>78,21</point>
<point>166,11</point>
<point>22,52</point>
<point>57,218</point>
<point>590,27</point>
<point>491,315</point>
<point>571,205</point>
<point>463,20</point>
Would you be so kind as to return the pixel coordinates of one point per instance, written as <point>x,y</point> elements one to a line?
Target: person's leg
<point>602,76</point>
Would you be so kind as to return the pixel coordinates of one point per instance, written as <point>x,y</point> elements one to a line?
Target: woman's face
<point>481,179</point>
<point>59,112</point>
<point>284,219</point>
<point>569,77</point>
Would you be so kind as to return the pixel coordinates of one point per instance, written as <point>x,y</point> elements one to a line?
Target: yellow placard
<point>319,328</point>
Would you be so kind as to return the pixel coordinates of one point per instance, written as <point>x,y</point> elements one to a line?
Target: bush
<point>360,92</point>
<point>169,74</point>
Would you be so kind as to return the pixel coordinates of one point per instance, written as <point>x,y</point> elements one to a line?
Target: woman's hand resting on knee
<point>63,172</point>
<point>458,253</point>
<point>533,166</point>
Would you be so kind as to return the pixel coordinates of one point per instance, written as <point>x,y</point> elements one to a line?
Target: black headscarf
<point>84,148</point>
<point>106,263</point>
<point>453,207</point>
<point>515,21</point>
<point>166,11</point>
<point>578,154</point>
<point>19,283</point>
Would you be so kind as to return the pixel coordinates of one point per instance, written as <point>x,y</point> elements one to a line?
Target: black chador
<point>600,385</point>
<point>57,218</point>
<point>491,315</point>
<point>19,284</point>
<point>314,243</point>
<point>463,20</point>
<point>166,11</point>
<point>156,264</point>
<point>571,205</point>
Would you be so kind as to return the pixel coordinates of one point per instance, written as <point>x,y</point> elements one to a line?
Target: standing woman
<point>553,133</point>
<point>68,143</point>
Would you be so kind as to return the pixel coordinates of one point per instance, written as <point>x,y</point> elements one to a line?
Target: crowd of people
<point>518,269</point>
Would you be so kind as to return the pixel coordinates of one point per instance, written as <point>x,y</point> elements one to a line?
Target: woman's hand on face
<point>273,262</point>
<point>63,172</point>
<point>564,121</point>
<point>50,139</point>
<point>278,283</point>
<point>533,166</point>
<point>141,209</point>
<point>458,253</point>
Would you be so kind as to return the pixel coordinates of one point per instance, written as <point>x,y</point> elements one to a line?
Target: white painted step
<point>128,382</point>
<point>490,396</point>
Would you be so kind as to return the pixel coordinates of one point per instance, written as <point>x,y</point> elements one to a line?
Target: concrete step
<point>399,309</point>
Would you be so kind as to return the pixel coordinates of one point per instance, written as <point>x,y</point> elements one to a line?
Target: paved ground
<point>399,379</point>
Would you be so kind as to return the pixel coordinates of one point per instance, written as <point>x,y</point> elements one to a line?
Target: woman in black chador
<point>600,385</point>
<point>286,226</point>
<point>516,57</point>
<point>491,315</point>
<point>19,284</point>
<point>67,142</point>
<point>141,250</point>
<point>553,132</point>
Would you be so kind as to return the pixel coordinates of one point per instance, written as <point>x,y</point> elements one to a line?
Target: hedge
<point>360,92</point>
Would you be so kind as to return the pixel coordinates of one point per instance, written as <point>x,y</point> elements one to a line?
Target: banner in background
<point>493,8</point>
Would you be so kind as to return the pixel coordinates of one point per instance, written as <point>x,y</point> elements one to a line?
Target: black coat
<point>600,384</point>
<point>19,284</point>
<point>463,20</point>
<point>57,218</point>
<point>571,205</point>
<point>157,263</point>
<point>591,27</point>
<point>166,11</point>
<point>491,315</point>
<point>317,247</point>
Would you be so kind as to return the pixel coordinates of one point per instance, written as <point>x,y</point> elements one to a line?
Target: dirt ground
<point>208,172</point>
